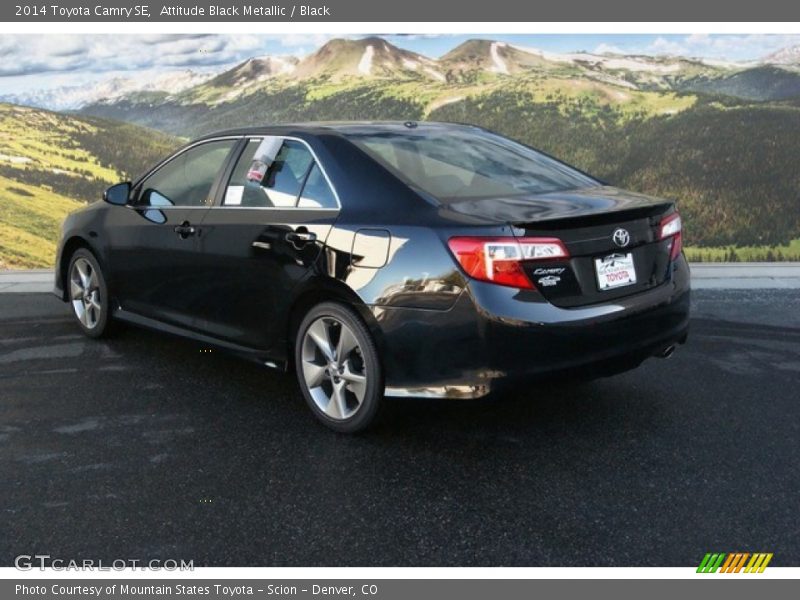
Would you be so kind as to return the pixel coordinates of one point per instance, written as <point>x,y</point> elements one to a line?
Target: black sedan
<point>383,259</point>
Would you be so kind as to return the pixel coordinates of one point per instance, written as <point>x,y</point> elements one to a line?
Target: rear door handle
<point>300,238</point>
<point>185,229</point>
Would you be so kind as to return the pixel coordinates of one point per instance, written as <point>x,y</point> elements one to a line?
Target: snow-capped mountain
<point>784,56</point>
<point>76,96</point>
<point>255,70</point>
<point>471,61</point>
<point>492,57</point>
<point>368,57</point>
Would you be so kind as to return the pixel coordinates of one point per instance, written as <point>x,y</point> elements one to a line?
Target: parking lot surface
<point>146,446</point>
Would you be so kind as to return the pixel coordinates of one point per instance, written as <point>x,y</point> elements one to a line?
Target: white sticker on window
<point>233,195</point>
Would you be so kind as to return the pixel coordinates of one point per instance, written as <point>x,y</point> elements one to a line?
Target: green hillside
<point>733,169</point>
<point>760,83</point>
<point>51,164</point>
<point>721,139</point>
<point>323,98</point>
<point>730,163</point>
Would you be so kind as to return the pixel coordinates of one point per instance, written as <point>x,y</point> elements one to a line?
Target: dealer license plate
<point>615,270</point>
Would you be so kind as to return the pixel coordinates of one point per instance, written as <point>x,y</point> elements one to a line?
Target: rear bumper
<point>494,335</point>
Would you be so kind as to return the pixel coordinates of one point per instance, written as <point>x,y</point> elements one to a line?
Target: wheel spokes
<point>91,316</point>
<point>320,333</point>
<point>93,282</point>
<point>314,374</point>
<point>337,406</point>
<point>80,312</point>
<point>332,368</point>
<point>356,382</point>
<point>84,273</point>
<point>84,286</point>
<point>95,302</point>
<point>347,343</point>
<point>75,290</point>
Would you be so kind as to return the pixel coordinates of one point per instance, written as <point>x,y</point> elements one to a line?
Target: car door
<point>154,243</point>
<point>274,214</point>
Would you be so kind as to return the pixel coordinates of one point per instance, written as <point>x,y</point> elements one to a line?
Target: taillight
<point>499,259</point>
<point>671,227</point>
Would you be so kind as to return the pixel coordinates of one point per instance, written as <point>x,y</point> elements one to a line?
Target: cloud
<point>418,36</point>
<point>158,38</point>
<point>608,49</point>
<point>7,46</point>
<point>91,56</point>
<point>314,39</point>
<point>60,46</point>
<point>33,54</point>
<point>664,46</point>
<point>726,47</point>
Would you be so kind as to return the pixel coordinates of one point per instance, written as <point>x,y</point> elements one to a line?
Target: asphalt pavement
<point>146,446</point>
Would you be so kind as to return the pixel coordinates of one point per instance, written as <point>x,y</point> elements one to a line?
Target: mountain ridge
<point>373,57</point>
<point>785,56</point>
<point>712,136</point>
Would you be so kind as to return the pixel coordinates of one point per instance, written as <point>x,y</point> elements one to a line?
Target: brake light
<point>671,227</point>
<point>499,259</point>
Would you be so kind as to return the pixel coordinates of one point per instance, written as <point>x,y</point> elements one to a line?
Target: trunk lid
<point>585,221</point>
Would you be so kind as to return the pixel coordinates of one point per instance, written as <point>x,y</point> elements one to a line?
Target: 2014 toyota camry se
<point>383,259</point>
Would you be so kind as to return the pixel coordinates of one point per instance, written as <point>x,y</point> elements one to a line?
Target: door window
<point>187,179</point>
<point>270,176</point>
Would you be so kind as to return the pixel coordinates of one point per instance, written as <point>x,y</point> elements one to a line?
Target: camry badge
<point>621,237</point>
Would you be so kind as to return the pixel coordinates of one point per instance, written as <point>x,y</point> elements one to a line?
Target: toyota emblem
<point>621,237</point>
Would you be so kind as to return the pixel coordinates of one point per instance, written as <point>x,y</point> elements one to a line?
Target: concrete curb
<point>722,276</point>
<point>746,276</point>
<point>26,282</point>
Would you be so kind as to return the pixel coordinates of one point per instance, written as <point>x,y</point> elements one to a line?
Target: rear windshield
<point>454,165</point>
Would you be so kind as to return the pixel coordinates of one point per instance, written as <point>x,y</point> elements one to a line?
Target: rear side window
<point>187,179</point>
<point>462,164</point>
<point>281,176</point>
<point>316,192</point>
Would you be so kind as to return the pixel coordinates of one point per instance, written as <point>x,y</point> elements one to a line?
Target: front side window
<point>280,174</point>
<point>457,164</point>
<point>187,179</point>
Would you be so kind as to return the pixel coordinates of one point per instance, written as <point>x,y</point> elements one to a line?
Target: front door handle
<point>185,229</point>
<point>301,238</point>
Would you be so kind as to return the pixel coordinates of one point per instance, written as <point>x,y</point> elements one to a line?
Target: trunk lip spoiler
<point>657,210</point>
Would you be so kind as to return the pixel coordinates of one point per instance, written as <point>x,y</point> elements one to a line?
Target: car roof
<point>342,127</point>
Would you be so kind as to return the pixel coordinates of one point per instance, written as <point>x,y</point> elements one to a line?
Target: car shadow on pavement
<point>542,413</point>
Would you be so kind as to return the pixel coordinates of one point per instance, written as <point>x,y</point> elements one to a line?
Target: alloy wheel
<point>333,368</point>
<point>84,291</point>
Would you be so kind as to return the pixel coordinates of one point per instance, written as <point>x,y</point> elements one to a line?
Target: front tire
<point>338,367</point>
<point>88,294</point>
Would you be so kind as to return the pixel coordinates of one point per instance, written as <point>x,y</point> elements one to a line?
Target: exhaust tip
<point>667,352</point>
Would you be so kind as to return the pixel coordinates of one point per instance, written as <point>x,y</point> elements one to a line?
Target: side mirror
<point>118,194</point>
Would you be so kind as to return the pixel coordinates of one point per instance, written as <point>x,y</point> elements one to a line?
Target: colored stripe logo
<point>734,562</point>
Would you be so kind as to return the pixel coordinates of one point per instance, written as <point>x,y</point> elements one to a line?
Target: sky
<point>35,62</point>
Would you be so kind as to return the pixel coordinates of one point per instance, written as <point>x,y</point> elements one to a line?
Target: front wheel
<point>338,367</point>
<point>88,294</point>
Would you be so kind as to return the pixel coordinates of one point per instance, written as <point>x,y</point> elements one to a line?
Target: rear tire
<point>88,294</point>
<point>338,367</point>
